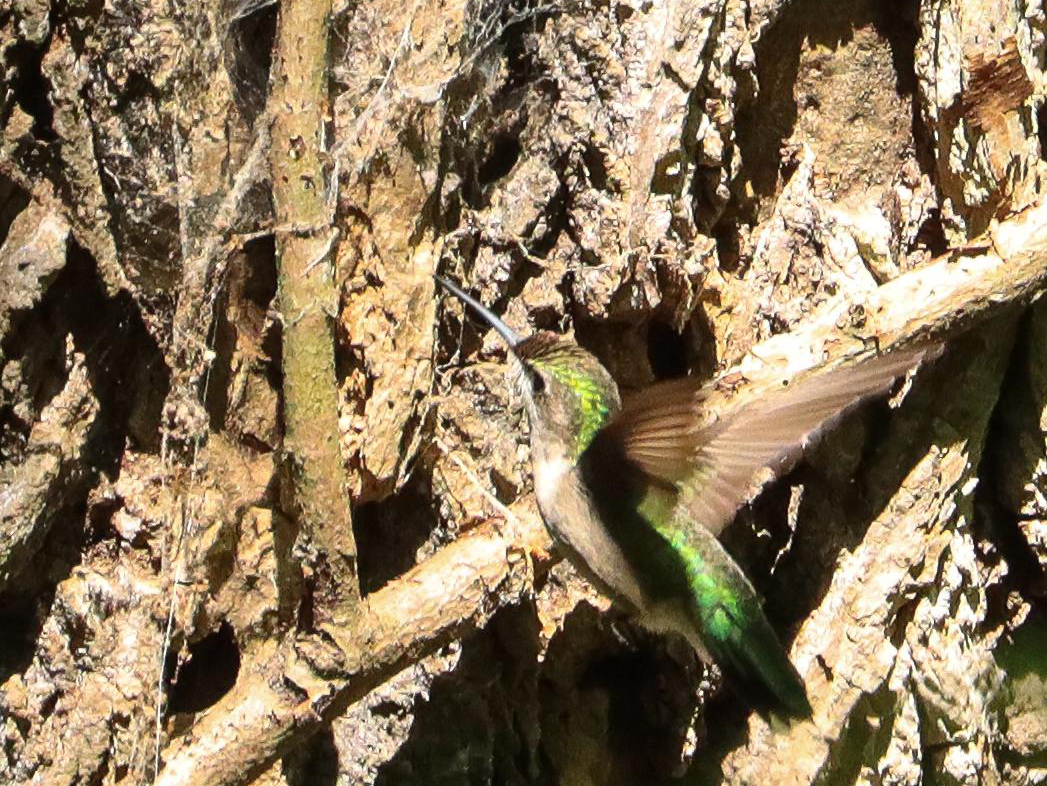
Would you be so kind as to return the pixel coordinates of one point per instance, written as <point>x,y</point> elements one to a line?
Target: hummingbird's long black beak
<point>503,329</point>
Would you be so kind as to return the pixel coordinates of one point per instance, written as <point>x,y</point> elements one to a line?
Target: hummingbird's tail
<point>735,630</point>
<point>757,664</point>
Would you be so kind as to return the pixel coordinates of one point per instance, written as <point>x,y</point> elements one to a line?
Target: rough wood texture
<point>718,188</point>
<point>457,587</point>
<point>456,591</point>
<point>307,297</point>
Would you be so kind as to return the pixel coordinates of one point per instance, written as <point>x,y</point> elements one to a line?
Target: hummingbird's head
<point>568,393</point>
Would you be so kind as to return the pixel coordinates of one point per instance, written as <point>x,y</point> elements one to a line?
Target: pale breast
<point>572,519</point>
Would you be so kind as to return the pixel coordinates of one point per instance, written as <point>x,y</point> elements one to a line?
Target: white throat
<point>548,474</point>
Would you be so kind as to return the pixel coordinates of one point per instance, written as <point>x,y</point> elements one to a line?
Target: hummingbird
<point>636,493</point>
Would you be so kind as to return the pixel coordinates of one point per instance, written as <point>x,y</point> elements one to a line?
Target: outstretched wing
<point>714,467</point>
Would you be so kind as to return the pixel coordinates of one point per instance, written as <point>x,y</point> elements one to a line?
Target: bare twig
<point>304,241</point>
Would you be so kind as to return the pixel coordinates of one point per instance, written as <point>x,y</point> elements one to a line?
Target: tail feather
<point>758,666</point>
<point>735,630</point>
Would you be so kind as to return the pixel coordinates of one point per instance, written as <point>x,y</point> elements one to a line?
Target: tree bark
<point>265,501</point>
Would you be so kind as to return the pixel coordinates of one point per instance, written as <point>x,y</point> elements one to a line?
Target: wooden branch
<point>291,689</point>
<point>1004,267</point>
<point>461,586</point>
<point>308,299</point>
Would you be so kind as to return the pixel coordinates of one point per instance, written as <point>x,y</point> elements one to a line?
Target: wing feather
<point>716,466</point>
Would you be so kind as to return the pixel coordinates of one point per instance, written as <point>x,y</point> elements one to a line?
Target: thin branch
<point>458,589</point>
<point>305,239</point>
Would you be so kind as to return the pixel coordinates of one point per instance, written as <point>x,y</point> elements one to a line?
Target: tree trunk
<point>266,510</point>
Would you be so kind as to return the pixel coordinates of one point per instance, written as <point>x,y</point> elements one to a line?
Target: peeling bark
<point>218,227</point>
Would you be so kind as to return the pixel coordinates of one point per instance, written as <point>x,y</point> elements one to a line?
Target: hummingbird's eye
<point>537,382</point>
